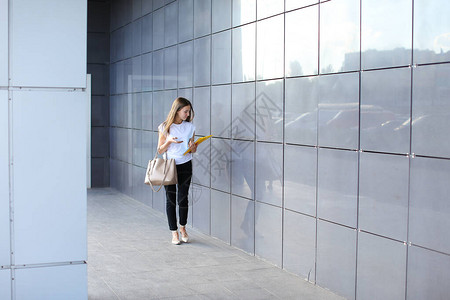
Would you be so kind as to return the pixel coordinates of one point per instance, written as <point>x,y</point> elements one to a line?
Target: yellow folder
<point>198,141</point>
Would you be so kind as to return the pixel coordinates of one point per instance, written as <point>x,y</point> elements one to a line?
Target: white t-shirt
<point>183,132</point>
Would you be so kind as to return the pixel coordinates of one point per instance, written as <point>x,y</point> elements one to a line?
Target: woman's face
<point>183,113</point>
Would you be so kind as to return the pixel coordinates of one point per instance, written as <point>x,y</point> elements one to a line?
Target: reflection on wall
<point>328,121</point>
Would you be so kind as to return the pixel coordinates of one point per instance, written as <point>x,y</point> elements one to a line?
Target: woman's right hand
<point>164,142</point>
<point>173,139</point>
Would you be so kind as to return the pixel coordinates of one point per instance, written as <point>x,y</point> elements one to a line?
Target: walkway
<point>131,257</point>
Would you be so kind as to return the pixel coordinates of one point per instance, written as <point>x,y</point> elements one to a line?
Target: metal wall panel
<point>61,282</point>
<point>299,251</point>
<point>428,274</point>
<point>5,284</point>
<point>4,43</point>
<point>220,215</point>
<point>58,43</point>
<point>268,232</point>
<point>4,181</point>
<point>336,258</point>
<point>49,176</point>
<point>353,116</point>
<point>381,268</point>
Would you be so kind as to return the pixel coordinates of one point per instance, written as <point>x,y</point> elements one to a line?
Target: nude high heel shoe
<point>184,235</point>
<point>175,238</point>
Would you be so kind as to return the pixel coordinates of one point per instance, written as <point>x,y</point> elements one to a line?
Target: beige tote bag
<point>161,171</point>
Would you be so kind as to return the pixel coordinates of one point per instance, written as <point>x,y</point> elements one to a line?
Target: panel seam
<point>10,155</point>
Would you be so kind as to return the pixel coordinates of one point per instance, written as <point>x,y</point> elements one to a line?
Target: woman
<point>176,135</point>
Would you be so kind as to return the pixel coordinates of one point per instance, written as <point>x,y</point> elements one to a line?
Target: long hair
<point>177,104</point>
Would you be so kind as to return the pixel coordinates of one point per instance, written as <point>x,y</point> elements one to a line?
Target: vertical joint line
<point>318,38</point>
<point>11,174</point>
<point>231,126</point>
<point>10,156</point>
<point>317,150</point>
<point>357,216</point>
<point>410,131</point>
<point>359,145</point>
<point>360,35</point>
<point>410,147</point>
<point>316,218</point>
<point>210,119</point>
<point>254,134</point>
<point>283,139</point>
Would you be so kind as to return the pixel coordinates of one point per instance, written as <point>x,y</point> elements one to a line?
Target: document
<point>198,141</point>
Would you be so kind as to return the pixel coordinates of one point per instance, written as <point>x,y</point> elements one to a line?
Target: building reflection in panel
<point>431,111</point>
<point>293,4</point>
<point>301,100</point>
<point>269,110</point>
<point>431,31</point>
<point>243,111</point>
<point>244,11</point>
<point>337,195</point>
<point>385,112</point>
<point>221,58</point>
<point>386,41</point>
<point>338,124</point>
<point>300,169</point>
<point>243,53</point>
<point>269,52</point>
<point>267,8</point>
<point>339,36</point>
<point>332,116</point>
<point>242,168</point>
<point>268,174</point>
<point>302,42</point>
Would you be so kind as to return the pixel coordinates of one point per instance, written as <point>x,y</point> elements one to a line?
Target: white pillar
<point>43,128</point>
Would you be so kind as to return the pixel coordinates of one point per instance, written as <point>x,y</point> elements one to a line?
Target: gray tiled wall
<point>330,156</point>
<point>98,48</point>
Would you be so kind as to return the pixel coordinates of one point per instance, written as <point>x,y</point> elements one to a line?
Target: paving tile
<point>131,286</point>
<point>130,256</point>
<point>97,287</point>
<point>187,297</point>
<point>209,288</point>
<point>241,284</point>
<point>258,293</point>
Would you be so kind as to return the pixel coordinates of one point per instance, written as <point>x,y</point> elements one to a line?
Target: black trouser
<point>184,172</point>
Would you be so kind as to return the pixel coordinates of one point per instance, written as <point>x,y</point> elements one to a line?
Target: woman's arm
<point>164,143</point>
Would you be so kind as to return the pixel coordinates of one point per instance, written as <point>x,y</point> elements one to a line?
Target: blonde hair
<point>177,104</point>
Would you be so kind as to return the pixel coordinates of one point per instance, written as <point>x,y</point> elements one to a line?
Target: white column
<point>43,129</point>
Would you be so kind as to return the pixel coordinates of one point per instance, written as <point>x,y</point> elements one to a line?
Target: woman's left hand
<point>193,146</point>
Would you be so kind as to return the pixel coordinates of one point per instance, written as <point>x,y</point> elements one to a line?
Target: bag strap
<point>151,185</point>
